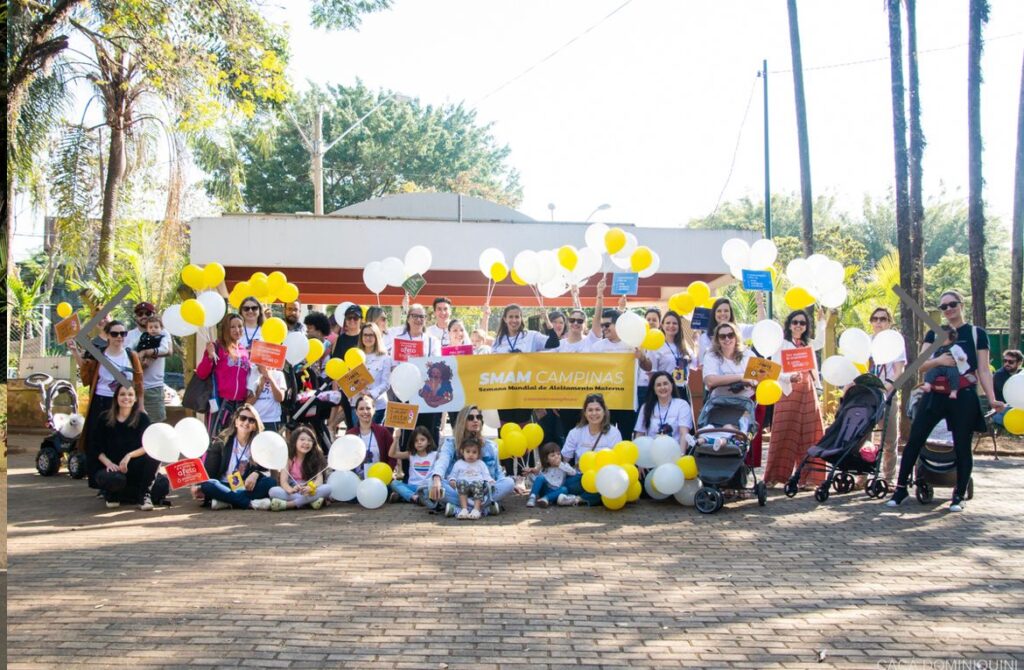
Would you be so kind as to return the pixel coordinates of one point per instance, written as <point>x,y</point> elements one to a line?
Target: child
<point>149,341</point>
<point>302,482</point>
<point>471,478</point>
<point>550,482</point>
<point>951,373</point>
<point>421,462</point>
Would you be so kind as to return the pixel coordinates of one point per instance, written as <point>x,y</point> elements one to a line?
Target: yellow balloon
<point>192,275</point>
<point>861,367</point>
<point>615,503</point>
<point>336,368</point>
<point>798,297</point>
<point>258,286</point>
<point>699,291</point>
<point>274,330</point>
<point>276,281</point>
<point>634,491</point>
<point>213,274</point>
<point>768,392</point>
<point>235,298</point>
<point>1013,421</point>
<point>632,471</point>
<point>288,293</point>
<point>709,303</point>
<point>775,275</point>
<point>503,452</point>
<point>192,312</point>
<point>605,457</point>
<point>499,272</point>
<point>654,340</point>
<point>516,278</point>
<point>641,259</point>
<point>516,444</point>
<point>508,429</point>
<point>614,241</point>
<point>688,464</point>
<point>316,351</point>
<point>567,257</point>
<point>589,481</point>
<point>681,303</point>
<point>354,357</point>
<point>63,310</point>
<point>381,471</point>
<point>626,452</point>
<point>534,435</point>
<point>588,461</point>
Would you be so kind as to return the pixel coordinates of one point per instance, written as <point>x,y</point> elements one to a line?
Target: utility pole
<point>767,171</point>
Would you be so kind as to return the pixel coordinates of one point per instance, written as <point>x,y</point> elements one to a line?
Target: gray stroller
<point>720,450</point>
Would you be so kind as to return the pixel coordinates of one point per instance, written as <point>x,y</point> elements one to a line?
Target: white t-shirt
<point>380,366</point>
<point>526,341</point>
<point>704,343</point>
<point>470,472</point>
<point>438,333</point>
<point>105,384</point>
<point>268,408</point>
<point>250,335</point>
<point>567,347</point>
<point>713,365</point>
<point>662,360</point>
<point>601,345</point>
<point>675,415</point>
<point>579,441</point>
<point>153,373</point>
<point>420,467</point>
<point>556,476</point>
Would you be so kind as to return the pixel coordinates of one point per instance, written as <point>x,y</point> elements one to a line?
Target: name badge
<point>679,376</point>
<point>235,481</point>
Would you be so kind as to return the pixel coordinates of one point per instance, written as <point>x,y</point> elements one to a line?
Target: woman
<point>457,335</point>
<point>379,318</point>
<point>574,342</point>
<point>376,437</point>
<point>102,385</point>
<point>677,350</point>
<point>653,318</point>
<point>227,360</point>
<point>371,343</point>
<point>593,432</point>
<point>252,316</point>
<point>664,412</point>
<point>726,361</point>
<point>661,360</point>
<point>555,322</point>
<point>963,414</point>
<point>126,472</point>
<point>236,480</point>
<point>881,320</point>
<point>415,331</point>
<point>722,312</point>
<point>797,424</point>
<point>470,423</point>
<point>514,337</point>
<point>266,393</point>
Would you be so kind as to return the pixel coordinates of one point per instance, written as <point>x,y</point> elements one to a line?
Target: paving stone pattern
<point>846,584</point>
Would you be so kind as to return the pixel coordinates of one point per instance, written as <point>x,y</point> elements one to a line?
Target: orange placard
<point>268,355</point>
<point>800,359</point>
<point>406,349</point>
<point>354,381</point>
<point>187,472</point>
<point>401,415</point>
<point>759,369</point>
<point>67,328</point>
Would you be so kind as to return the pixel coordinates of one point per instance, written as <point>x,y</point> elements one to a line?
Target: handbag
<point>197,394</point>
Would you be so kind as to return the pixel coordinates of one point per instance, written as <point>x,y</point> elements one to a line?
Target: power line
<point>736,149</point>
<point>552,54</point>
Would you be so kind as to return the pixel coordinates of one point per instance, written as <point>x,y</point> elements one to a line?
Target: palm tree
<point>977,17</point>
<point>806,200</point>
<point>25,301</point>
<point>917,144</point>
<point>1017,237</point>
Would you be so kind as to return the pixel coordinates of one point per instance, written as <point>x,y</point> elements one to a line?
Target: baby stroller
<point>936,466</point>
<point>66,428</point>
<point>720,451</point>
<point>861,408</point>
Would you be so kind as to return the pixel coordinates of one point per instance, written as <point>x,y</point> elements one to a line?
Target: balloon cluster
<point>267,288</point>
<point>740,256</point>
<point>613,473</point>
<point>671,473</point>
<point>623,249</point>
<point>346,454</point>
<point>1013,394</point>
<point>393,271</point>
<point>856,348</point>
<point>636,332</point>
<point>188,437</point>
<point>551,272</point>
<point>515,441</point>
<point>203,311</point>
<point>816,278</point>
<point>697,294</point>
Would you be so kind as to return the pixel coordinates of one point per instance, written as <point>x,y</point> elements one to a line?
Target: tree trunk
<point>806,200</point>
<point>1017,237</point>
<point>917,144</point>
<point>978,14</point>
<point>108,221</point>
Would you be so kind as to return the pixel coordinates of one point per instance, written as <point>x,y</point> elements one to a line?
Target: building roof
<point>434,206</point>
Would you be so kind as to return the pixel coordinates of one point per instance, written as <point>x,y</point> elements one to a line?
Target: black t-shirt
<point>344,343</point>
<point>117,440</point>
<point>966,335</point>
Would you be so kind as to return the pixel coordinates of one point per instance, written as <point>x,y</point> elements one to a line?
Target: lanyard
<point>369,445</point>
<point>512,343</point>
<point>236,457</point>
<point>663,417</point>
<point>249,338</point>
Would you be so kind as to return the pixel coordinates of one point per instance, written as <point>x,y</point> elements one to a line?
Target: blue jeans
<point>541,488</point>
<point>997,418</point>
<point>406,492</point>
<point>575,486</point>
<point>214,489</point>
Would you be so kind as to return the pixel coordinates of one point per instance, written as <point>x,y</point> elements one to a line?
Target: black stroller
<point>863,405</point>
<point>720,451</point>
<point>61,443</point>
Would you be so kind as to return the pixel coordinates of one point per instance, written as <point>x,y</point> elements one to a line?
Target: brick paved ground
<point>654,585</point>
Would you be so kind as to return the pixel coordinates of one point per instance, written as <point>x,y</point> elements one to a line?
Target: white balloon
<point>652,268</point>
<point>394,270</point>
<point>855,344</point>
<point>595,237</point>
<point>834,297</point>
<point>631,245</point>
<point>612,481</point>
<point>548,263</point>
<point>418,260</point>
<point>685,495</point>
<point>762,254</point>
<point>1013,391</point>
<point>488,257</point>
<point>736,253</point>
<point>406,380</point>
<point>373,277</point>
<point>588,262</point>
<point>631,328</point>
<point>343,485</point>
<point>160,442</point>
<point>270,450</point>
<point>191,437</point>
<point>175,324</point>
<point>668,478</point>
<point>214,306</point>
<point>653,492</point>
<point>491,418</point>
<point>833,276</point>
<point>665,449</point>
<point>838,370</point>
<point>553,289</point>
<point>527,266</point>
<point>767,336</point>
<point>799,272</point>
<point>886,347</point>
<point>371,493</point>
<point>622,261</point>
<point>818,264</point>
<point>297,347</point>
<point>644,457</point>
<point>347,453</point>
<point>736,271</point>
<point>339,311</point>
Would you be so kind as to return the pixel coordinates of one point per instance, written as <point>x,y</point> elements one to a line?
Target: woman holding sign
<point>513,337</point>
<point>797,423</point>
<point>413,341</point>
<point>227,360</point>
<point>722,312</point>
<point>726,362</point>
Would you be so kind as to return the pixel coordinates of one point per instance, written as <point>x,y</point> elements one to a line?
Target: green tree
<point>977,17</point>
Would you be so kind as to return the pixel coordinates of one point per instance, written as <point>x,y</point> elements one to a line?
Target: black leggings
<point>962,415</point>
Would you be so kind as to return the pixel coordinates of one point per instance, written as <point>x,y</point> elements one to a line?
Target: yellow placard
<point>759,369</point>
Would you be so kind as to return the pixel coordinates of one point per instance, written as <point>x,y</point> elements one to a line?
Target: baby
<point>719,440</point>
<point>951,373</point>
<point>471,479</point>
<point>149,341</point>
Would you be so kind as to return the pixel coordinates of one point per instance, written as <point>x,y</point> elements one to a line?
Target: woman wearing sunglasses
<point>726,361</point>
<point>236,480</point>
<point>881,320</point>
<point>962,414</point>
<point>102,387</point>
<point>252,318</point>
<point>797,424</point>
<point>227,360</point>
<point>722,312</point>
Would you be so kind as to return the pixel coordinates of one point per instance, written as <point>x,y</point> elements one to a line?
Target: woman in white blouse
<point>663,413</point>
<point>722,312</point>
<point>371,343</point>
<point>513,337</point>
<point>594,431</point>
<point>725,363</point>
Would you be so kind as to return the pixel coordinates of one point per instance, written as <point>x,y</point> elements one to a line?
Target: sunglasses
<point>1010,361</point>
<point>474,417</point>
<point>248,419</point>
<point>417,316</point>
<point>577,321</point>
<point>251,308</point>
<point>144,313</point>
<point>879,319</point>
<point>798,323</point>
<point>948,305</point>
<point>352,318</point>
<point>369,335</point>
<point>727,336</point>
<point>117,333</point>
<point>606,325</point>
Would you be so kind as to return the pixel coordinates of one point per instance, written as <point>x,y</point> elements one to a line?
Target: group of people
<point>462,475</point>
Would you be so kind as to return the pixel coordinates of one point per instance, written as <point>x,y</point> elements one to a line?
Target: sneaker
<point>474,515</point>
<point>111,504</point>
<point>450,510</point>
<point>463,514</point>
<point>147,504</point>
<point>394,497</point>
<point>316,504</point>
<point>898,496</point>
<point>567,500</point>
<point>219,504</point>
<point>543,502</point>
<point>276,505</point>
<point>494,509</point>
<point>260,504</point>
<point>957,505</point>
<point>531,501</point>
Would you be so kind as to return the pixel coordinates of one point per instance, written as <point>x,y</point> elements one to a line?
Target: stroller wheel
<point>821,493</point>
<point>924,493</point>
<point>708,500</point>
<point>76,465</point>
<point>791,488</point>
<point>970,488</point>
<point>48,461</point>
<point>876,488</point>
<point>761,489</point>
<point>837,484</point>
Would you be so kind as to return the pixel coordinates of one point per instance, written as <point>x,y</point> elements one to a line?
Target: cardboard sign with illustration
<point>67,329</point>
<point>401,415</point>
<point>759,369</point>
<point>355,381</point>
